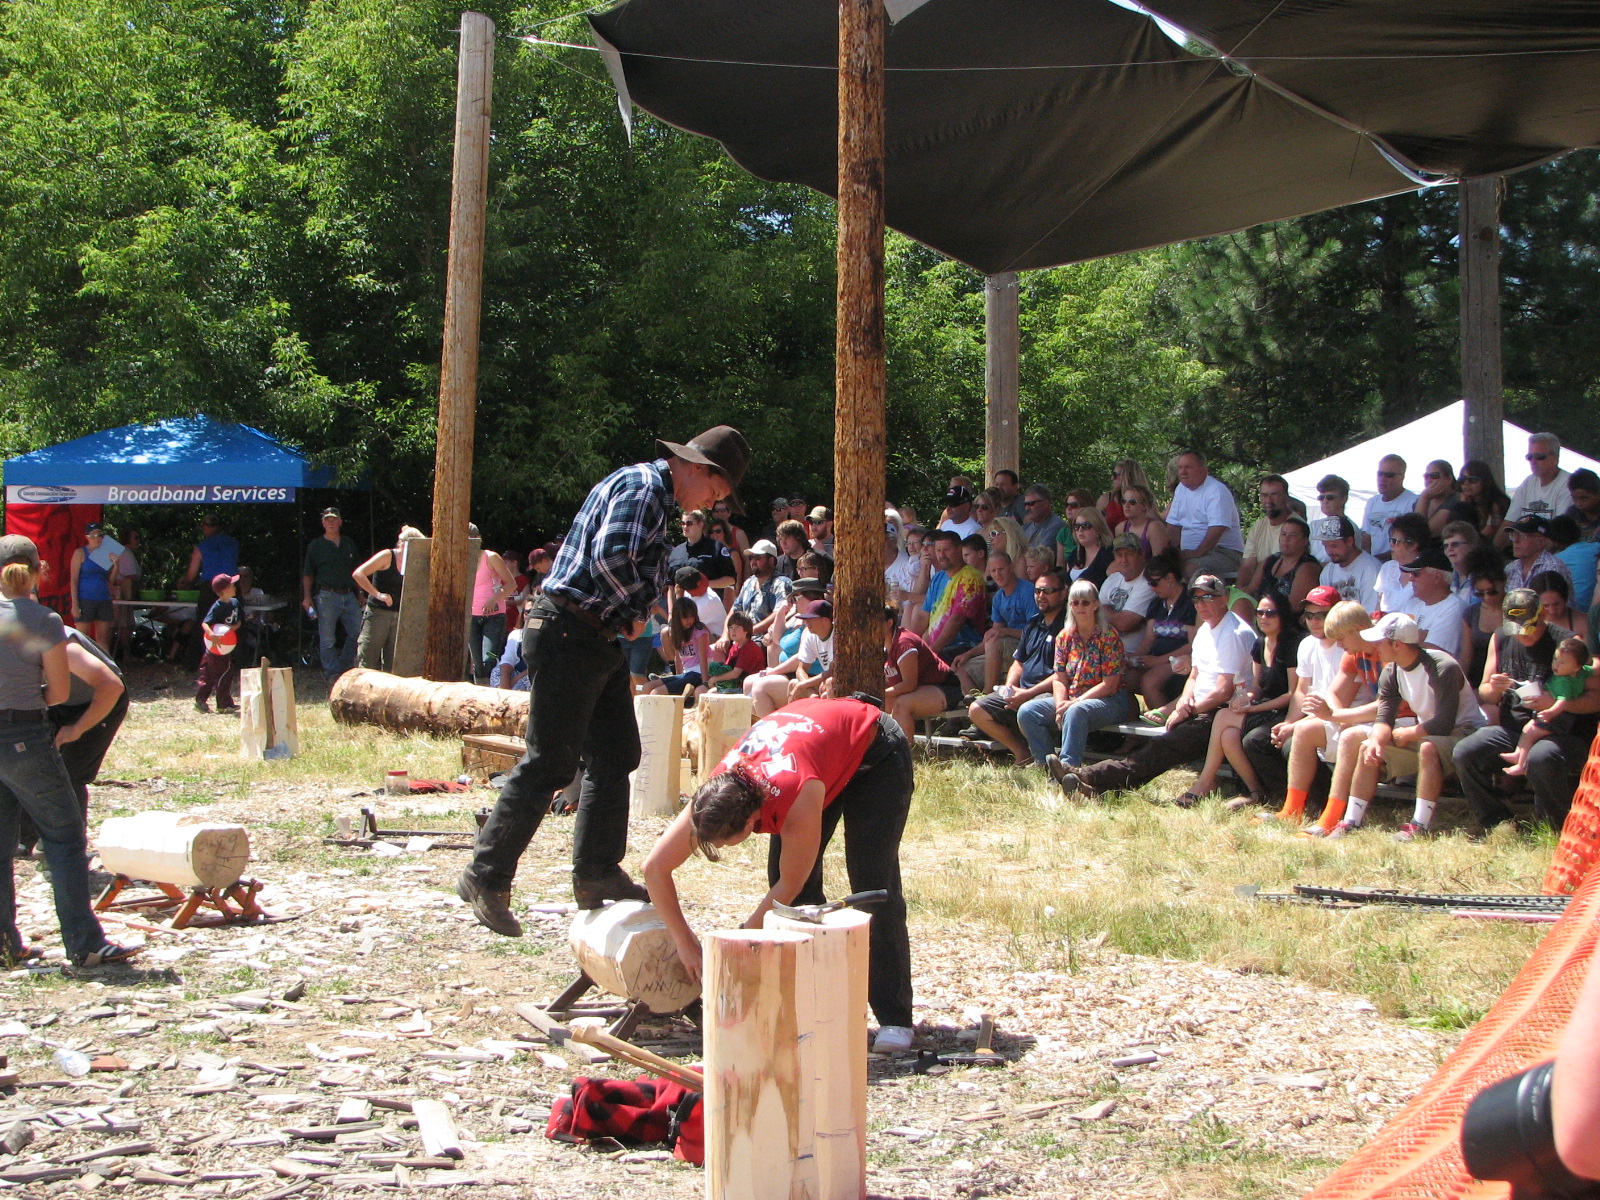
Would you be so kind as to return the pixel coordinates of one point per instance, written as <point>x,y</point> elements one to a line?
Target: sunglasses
<point>1267,612</point>
<point>1388,474</point>
<point>1535,457</point>
<point>1031,503</point>
<point>1046,591</point>
<point>981,506</point>
<point>1314,614</point>
<point>1456,544</point>
<point>1471,479</point>
<point>1432,475</point>
<point>1485,593</point>
<point>1331,496</point>
<point>1082,525</point>
<point>1197,597</point>
<point>1081,603</point>
<point>1401,541</point>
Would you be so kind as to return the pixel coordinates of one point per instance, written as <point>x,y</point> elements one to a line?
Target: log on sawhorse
<point>234,904</point>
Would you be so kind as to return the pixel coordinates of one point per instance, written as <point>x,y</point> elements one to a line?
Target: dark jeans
<point>1184,743</point>
<point>873,807</point>
<point>217,672</point>
<point>1272,767</point>
<point>1553,766</point>
<point>34,780</point>
<point>82,758</point>
<point>335,611</point>
<point>486,642</point>
<point>581,706</point>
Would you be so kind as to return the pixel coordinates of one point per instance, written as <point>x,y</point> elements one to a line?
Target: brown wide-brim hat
<point>723,449</point>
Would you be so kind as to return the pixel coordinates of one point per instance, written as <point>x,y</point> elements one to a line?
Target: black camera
<point>1507,1134</point>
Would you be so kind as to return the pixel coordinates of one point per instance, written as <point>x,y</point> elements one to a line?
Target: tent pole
<point>859,373</point>
<point>1001,339</point>
<point>445,652</point>
<point>1481,379</point>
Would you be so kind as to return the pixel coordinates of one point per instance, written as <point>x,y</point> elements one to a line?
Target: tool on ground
<point>1348,897</point>
<point>443,839</point>
<point>815,912</point>
<point>984,1054</point>
<point>591,1035</point>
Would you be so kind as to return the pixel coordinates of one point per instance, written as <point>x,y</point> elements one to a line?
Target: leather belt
<point>571,608</point>
<point>23,716</point>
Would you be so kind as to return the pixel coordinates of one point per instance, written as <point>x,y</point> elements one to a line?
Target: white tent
<point>1437,435</point>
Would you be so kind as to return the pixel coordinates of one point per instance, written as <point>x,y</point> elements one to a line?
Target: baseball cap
<point>1323,596</point>
<point>1126,541</point>
<point>1431,556</point>
<point>818,610</point>
<point>1530,523</point>
<point>93,527</point>
<point>1207,585</point>
<point>218,582</point>
<point>1331,529</point>
<point>820,513</point>
<point>957,495</point>
<point>1394,627</point>
<point>687,577</point>
<point>764,547</point>
<point>1522,611</point>
<point>332,511</point>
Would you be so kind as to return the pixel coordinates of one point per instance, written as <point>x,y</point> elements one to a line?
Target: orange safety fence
<point>1579,846</point>
<point>1417,1155</point>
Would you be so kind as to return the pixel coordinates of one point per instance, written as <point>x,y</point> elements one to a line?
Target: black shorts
<point>95,610</point>
<point>995,708</point>
<point>954,697</point>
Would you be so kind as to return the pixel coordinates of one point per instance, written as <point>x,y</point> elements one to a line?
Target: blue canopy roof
<point>182,452</point>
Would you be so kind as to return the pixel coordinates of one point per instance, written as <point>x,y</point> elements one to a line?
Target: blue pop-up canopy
<point>183,460</point>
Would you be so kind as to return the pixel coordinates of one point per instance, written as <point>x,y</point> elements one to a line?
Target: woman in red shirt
<point>794,775</point>
<point>921,684</point>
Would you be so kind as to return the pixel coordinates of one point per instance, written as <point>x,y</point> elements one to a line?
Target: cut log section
<point>164,847</point>
<point>363,697</point>
<point>719,723</point>
<point>626,949</point>
<point>484,755</point>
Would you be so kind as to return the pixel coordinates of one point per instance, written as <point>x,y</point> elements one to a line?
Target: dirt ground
<point>1125,1076</point>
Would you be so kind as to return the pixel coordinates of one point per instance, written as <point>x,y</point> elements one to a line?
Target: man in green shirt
<point>330,562</point>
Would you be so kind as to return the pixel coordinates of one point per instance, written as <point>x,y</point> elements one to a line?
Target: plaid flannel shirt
<point>613,562</point>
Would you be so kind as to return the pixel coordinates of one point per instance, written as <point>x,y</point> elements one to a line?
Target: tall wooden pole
<point>859,379</point>
<point>451,575</point>
<point>1481,380</point>
<point>1002,340</point>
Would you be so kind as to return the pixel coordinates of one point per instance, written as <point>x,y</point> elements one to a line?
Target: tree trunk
<point>1481,382</point>
<point>1002,338</point>
<point>362,697</point>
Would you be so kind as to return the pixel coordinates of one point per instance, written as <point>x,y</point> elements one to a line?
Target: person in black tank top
<point>381,577</point>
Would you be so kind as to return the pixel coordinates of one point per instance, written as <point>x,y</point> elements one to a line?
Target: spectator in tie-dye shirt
<point>955,601</point>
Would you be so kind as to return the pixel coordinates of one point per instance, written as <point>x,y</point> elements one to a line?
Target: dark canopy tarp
<point>1028,133</point>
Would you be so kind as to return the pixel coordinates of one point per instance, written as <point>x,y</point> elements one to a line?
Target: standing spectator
<point>216,553</point>
<point>1011,500</point>
<point>1089,555</point>
<point>1444,710</point>
<point>958,517</point>
<point>1139,519</point>
<point>220,629</point>
<point>1262,541</point>
<point>1333,494</point>
<point>955,599</point>
<point>1481,501</point>
<point>1086,693</point>
<point>918,682</point>
<point>1221,660</point>
<point>819,524</point>
<point>1408,534</point>
<point>1011,607</point>
<point>1289,572</point>
<point>1438,610</point>
<point>1205,520</point>
<point>1028,678</point>
<point>381,577</point>
<point>1393,499</point>
<point>1350,570</point>
<point>1460,540</point>
<point>1530,552</point>
<point>1440,495</point>
<point>1522,654</point>
<point>1042,524</point>
<point>1584,487</point>
<point>1125,473</point>
<point>792,546</point>
<point>125,576</point>
<point>1159,668</point>
<point>1545,492</point>
<point>1125,597</point>
<point>703,552</point>
<point>92,608</point>
<point>764,589</point>
<point>492,586</point>
<point>327,593</point>
<point>34,673</point>
<point>1582,558</point>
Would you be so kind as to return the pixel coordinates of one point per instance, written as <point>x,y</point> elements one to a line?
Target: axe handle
<point>687,1077</point>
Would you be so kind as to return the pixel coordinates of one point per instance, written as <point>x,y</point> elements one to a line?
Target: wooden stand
<point>719,723</point>
<point>235,903</point>
<point>760,1078</point>
<point>839,968</point>
<point>655,785</point>
<point>484,755</point>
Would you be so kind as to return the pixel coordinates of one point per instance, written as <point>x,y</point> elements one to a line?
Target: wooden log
<point>720,721</point>
<point>165,847</point>
<point>268,712</point>
<point>484,755</point>
<point>438,1129</point>
<point>839,969</point>
<point>626,949</point>
<point>419,706</point>
<point>760,1081</point>
<point>654,786</point>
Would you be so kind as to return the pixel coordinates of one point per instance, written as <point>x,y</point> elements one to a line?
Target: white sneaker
<point>892,1039</point>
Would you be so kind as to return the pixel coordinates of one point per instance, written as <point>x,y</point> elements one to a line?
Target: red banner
<point>57,529</point>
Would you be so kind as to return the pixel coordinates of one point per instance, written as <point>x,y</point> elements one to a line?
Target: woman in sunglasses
<point>1090,556</point>
<point>1485,615</point>
<point>1125,473</point>
<point>1438,495</point>
<point>1140,519</point>
<point>1480,501</point>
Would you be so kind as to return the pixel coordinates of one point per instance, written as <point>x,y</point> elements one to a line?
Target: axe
<point>984,1055</point>
<point>814,913</point>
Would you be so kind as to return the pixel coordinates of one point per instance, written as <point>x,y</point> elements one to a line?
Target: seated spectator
<point>1086,690</point>
<point>798,509</point>
<point>1392,500</point>
<point>819,526</point>
<point>958,518</point>
<point>1544,493</point>
<point>1445,709</point>
<point>1261,543</point>
<point>1005,535</point>
<point>1570,671</point>
<point>1259,701</point>
<point>1407,534</point>
<point>1205,520</point>
<point>1042,524</point>
<point>1125,473</point>
<point>510,673</point>
<point>975,554</point>
<point>1460,540</point>
<point>1438,611</point>
<point>985,508</point>
<point>783,638</point>
<point>1555,596</point>
<point>686,646</point>
<point>1486,613</point>
<point>1076,499</point>
<point>813,563</point>
<point>1125,597</point>
<point>723,533</point>
<point>1338,719</point>
<point>1011,499</point>
<point>690,582</point>
<point>808,673</point>
<point>1481,502</point>
<point>1523,654</point>
<point>1011,607</point>
<point>1289,572</point>
<point>780,514</point>
<point>899,564</point>
<point>739,540</point>
<point>702,551</point>
<point>1035,561</point>
<point>1581,557</point>
<point>1350,570</point>
<point>914,536</point>
<point>1139,518</point>
<point>1221,659</point>
<point>1530,552</point>
<point>1161,667</point>
<point>1333,494</point>
<point>792,546</point>
<point>1028,677</point>
<point>763,589</point>
<point>1584,488</point>
<point>1089,556</point>
<point>919,682</point>
<point>1440,493</point>
<point>737,655</point>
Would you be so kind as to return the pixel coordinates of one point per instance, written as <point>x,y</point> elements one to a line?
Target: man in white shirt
<point>1125,597</point>
<point>1351,571</point>
<point>958,512</point>
<point>1438,610</point>
<point>1220,660</point>
<point>1392,499</point>
<point>1333,493</point>
<point>1544,493</point>
<point>1205,520</point>
<point>1262,541</point>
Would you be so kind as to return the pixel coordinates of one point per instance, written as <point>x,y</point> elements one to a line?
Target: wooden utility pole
<point>451,577</point>
<point>1481,379</point>
<point>1002,339</point>
<point>859,379</point>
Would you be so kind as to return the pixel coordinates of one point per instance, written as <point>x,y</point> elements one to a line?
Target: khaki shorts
<point>1400,762</point>
<point>1332,731</point>
<point>973,667</point>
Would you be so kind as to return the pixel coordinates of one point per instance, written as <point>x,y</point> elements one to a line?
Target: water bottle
<point>73,1062</point>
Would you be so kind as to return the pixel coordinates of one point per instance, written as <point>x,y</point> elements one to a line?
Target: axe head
<point>813,913</point>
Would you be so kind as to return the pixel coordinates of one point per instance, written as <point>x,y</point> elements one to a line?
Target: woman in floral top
<point>1087,686</point>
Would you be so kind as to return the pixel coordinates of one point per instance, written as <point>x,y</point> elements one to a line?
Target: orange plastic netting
<point>1418,1154</point>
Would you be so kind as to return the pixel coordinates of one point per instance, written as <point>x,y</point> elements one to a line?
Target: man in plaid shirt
<point>609,571</point>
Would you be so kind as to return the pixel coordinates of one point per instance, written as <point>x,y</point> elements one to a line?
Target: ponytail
<point>16,579</point>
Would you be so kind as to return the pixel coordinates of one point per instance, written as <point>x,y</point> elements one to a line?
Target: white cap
<point>764,547</point>
<point>1395,627</point>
